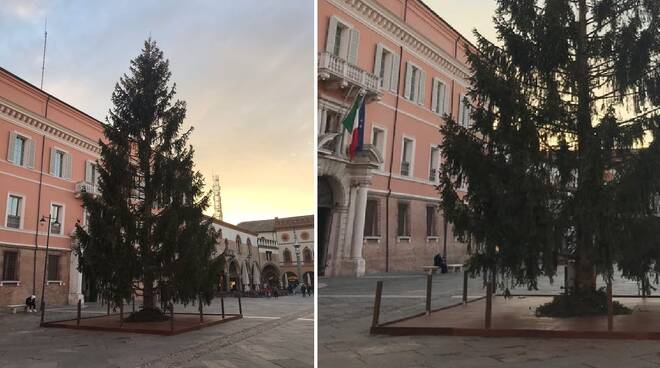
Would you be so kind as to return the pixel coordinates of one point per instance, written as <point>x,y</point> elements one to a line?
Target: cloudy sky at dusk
<point>245,69</point>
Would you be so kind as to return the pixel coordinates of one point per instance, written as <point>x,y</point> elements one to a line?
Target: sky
<point>468,15</point>
<point>245,69</point>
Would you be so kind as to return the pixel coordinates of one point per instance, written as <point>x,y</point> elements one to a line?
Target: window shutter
<point>434,95</point>
<point>353,46</point>
<point>52,161</point>
<point>442,98</point>
<point>67,166</point>
<point>10,147</point>
<point>332,32</point>
<point>394,81</point>
<point>422,85</point>
<point>406,91</point>
<point>379,60</point>
<point>29,151</point>
<point>89,173</point>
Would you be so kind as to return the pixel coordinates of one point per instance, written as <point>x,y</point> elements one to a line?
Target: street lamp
<point>296,245</point>
<point>50,219</point>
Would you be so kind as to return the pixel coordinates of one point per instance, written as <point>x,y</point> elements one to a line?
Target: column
<point>358,223</point>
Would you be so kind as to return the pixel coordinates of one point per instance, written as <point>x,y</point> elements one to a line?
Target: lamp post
<point>43,286</point>
<point>296,245</point>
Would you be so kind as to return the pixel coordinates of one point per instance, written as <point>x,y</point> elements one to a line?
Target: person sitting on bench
<point>440,263</point>
<point>31,303</point>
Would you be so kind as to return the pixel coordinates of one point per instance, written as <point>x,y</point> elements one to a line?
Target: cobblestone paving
<point>273,333</point>
<point>345,312</point>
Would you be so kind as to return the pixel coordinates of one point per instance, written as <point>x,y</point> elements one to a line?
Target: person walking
<point>303,290</point>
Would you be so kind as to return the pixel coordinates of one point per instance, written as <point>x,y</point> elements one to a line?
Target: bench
<point>14,307</point>
<point>455,267</point>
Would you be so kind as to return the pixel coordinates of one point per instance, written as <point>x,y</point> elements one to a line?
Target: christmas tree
<point>146,234</point>
<point>561,157</point>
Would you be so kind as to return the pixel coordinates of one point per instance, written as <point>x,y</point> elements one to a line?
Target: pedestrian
<point>303,290</point>
<point>31,303</point>
<point>276,293</point>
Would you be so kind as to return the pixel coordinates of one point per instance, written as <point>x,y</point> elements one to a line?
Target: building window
<point>10,266</point>
<point>371,218</point>
<point>378,141</point>
<point>342,40</point>
<point>287,256</point>
<point>465,109</point>
<point>403,219</point>
<point>438,97</point>
<point>386,67</point>
<point>14,209</point>
<point>415,78</point>
<point>91,173</point>
<point>60,164</point>
<point>269,255</point>
<point>434,164</point>
<point>307,255</point>
<point>238,244</point>
<point>54,268</point>
<point>21,150</point>
<point>56,212</point>
<point>431,221</point>
<point>406,157</point>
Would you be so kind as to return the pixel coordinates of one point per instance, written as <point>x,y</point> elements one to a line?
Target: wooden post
<point>171,317</point>
<point>610,307</point>
<point>240,306</point>
<point>78,314</point>
<point>379,293</point>
<point>429,282</point>
<point>465,286</point>
<point>222,305</point>
<point>489,301</point>
<point>201,311</point>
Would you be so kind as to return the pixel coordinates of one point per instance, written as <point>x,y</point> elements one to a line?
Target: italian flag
<point>354,123</point>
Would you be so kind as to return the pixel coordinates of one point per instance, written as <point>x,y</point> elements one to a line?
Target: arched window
<point>287,256</point>
<point>249,246</point>
<point>307,255</point>
<point>238,243</point>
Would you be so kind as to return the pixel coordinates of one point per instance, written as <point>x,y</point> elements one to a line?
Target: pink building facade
<point>47,155</point>
<point>379,211</point>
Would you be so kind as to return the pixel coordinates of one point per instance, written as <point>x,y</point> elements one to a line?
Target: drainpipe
<point>41,177</point>
<point>389,177</point>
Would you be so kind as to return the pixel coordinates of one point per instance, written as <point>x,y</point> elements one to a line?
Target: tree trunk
<point>148,294</point>
<point>587,183</point>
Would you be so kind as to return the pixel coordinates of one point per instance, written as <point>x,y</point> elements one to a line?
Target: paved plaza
<point>275,332</point>
<point>345,314</point>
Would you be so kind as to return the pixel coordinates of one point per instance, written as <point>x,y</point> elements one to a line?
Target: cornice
<point>376,16</point>
<point>15,113</point>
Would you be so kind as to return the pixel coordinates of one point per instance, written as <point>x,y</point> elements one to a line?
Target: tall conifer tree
<point>146,231</point>
<point>562,156</point>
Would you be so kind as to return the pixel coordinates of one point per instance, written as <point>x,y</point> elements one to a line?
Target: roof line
<point>37,89</point>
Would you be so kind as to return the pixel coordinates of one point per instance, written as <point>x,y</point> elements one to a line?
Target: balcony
<point>333,144</point>
<point>433,175</point>
<point>14,221</point>
<point>85,187</point>
<point>339,73</point>
<point>405,168</point>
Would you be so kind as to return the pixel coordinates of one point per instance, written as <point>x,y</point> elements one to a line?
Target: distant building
<point>286,233</point>
<point>379,211</point>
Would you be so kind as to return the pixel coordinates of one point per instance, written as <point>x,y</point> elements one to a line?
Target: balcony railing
<point>433,175</point>
<point>405,168</point>
<point>85,187</point>
<point>14,221</point>
<point>55,228</point>
<point>334,67</point>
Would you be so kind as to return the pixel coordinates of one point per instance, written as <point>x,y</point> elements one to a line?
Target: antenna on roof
<point>43,60</point>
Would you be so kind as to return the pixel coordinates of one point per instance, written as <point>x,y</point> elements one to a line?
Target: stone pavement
<point>273,333</point>
<point>345,308</point>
